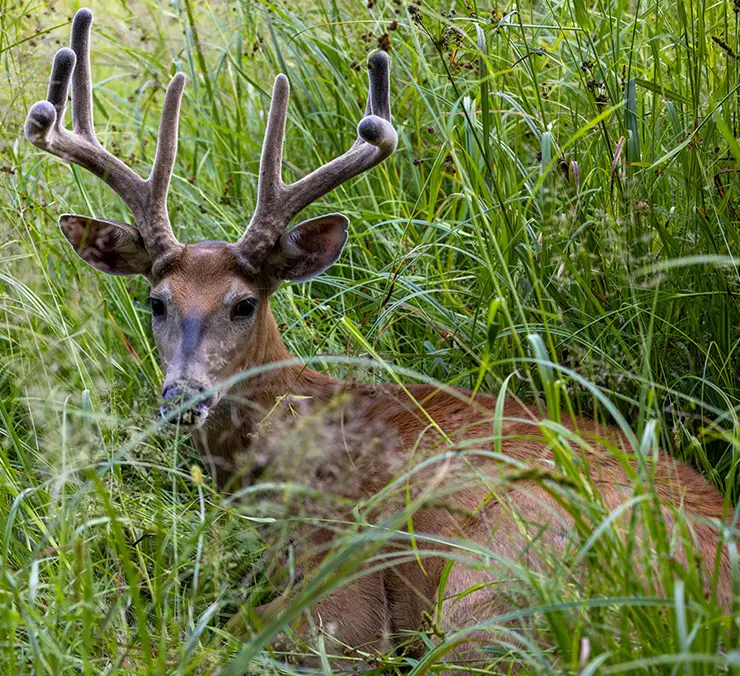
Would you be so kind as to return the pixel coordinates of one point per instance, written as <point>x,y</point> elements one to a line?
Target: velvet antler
<point>147,199</point>
<point>278,203</point>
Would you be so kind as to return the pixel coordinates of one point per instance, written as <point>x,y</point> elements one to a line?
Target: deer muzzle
<point>185,406</point>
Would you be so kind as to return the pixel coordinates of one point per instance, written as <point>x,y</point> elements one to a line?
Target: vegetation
<point>560,221</point>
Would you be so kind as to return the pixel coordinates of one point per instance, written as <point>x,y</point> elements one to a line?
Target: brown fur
<point>362,437</point>
<point>207,265</point>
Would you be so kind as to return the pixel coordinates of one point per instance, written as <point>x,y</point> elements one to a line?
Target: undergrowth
<point>560,221</point>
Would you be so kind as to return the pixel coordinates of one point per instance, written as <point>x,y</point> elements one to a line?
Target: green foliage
<point>560,222</point>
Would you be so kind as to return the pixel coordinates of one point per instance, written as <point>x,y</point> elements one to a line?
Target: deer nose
<point>176,396</point>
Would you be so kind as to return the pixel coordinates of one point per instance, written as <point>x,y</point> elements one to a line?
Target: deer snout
<point>185,404</point>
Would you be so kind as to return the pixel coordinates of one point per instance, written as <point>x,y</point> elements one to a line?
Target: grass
<point>560,221</point>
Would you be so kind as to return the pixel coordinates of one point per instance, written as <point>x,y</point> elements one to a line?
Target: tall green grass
<point>560,221</point>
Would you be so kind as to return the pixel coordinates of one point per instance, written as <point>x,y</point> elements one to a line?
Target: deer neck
<point>234,422</point>
<point>265,344</point>
<point>282,374</point>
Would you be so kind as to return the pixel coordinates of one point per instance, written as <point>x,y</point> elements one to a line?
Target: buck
<point>211,321</point>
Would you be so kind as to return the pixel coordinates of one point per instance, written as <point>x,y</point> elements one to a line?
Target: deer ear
<point>109,246</point>
<point>308,249</point>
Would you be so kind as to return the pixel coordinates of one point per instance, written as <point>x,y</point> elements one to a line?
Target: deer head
<point>210,315</point>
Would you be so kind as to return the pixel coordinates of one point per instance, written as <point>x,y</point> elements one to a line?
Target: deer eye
<point>244,308</point>
<point>158,307</point>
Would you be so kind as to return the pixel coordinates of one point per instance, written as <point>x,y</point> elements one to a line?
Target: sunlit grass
<point>565,171</point>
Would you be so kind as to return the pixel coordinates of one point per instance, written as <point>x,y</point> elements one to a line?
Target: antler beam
<point>278,203</point>
<point>147,199</point>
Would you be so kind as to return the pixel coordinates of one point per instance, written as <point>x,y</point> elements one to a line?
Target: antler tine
<point>164,160</point>
<point>82,115</point>
<point>44,128</point>
<point>379,74</point>
<point>267,222</point>
<point>277,203</point>
<point>270,181</point>
<point>61,72</point>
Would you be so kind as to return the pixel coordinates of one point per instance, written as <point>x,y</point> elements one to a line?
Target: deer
<point>212,323</point>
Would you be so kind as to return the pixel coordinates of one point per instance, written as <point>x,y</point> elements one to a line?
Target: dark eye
<point>244,308</point>
<point>158,307</point>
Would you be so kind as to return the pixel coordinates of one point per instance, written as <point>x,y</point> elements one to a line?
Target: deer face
<point>208,309</point>
<point>209,314</point>
<point>209,300</point>
<point>203,319</point>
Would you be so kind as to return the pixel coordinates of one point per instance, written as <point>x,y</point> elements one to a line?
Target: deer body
<point>382,425</point>
<point>211,321</point>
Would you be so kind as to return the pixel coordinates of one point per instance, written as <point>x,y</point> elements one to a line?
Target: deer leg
<point>462,610</point>
<point>353,621</point>
<point>539,525</point>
